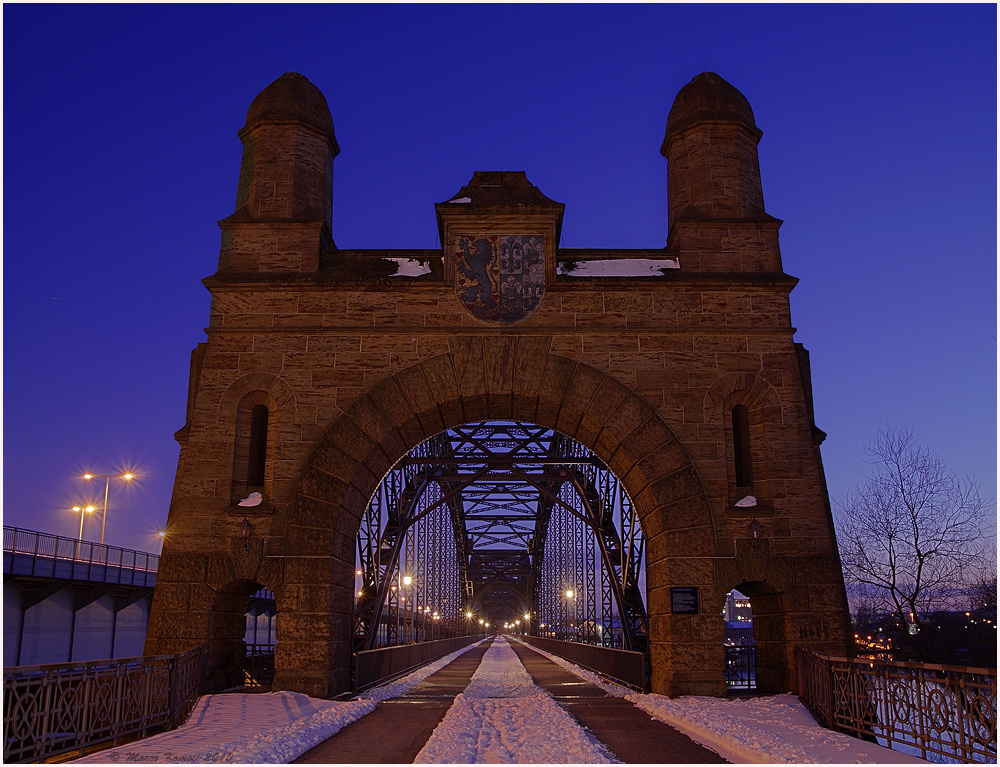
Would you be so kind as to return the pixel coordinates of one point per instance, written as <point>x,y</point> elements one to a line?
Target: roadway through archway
<point>500,525</point>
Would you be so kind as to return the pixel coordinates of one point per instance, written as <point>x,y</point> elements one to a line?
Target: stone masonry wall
<point>681,344</point>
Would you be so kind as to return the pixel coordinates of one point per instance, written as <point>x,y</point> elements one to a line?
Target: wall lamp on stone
<point>246,530</point>
<point>756,530</point>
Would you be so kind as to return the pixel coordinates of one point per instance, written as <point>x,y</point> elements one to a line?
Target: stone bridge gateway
<point>675,366</point>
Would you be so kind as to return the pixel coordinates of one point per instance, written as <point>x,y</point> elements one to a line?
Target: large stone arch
<point>480,378</point>
<point>360,362</point>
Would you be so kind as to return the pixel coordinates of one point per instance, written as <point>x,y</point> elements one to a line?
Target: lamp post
<point>83,510</point>
<point>107,487</point>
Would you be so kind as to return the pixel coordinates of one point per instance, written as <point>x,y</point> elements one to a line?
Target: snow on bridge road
<point>501,717</point>
<point>504,718</point>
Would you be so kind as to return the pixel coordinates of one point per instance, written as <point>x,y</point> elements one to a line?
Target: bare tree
<point>914,535</point>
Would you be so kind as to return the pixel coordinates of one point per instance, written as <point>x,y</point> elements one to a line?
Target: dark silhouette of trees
<point>913,538</point>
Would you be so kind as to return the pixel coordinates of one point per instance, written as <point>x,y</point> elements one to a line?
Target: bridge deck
<point>399,728</point>
<point>395,732</point>
<point>628,732</point>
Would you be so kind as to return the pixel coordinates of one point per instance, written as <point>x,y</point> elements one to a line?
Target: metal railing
<point>948,711</point>
<point>62,707</point>
<point>741,671</point>
<point>375,666</point>
<point>624,666</point>
<point>41,555</point>
<point>258,666</point>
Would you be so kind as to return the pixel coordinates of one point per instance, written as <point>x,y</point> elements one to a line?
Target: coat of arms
<point>500,278</point>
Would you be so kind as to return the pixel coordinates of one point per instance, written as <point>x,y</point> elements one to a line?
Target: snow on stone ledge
<point>410,267</point>
<point>618,267</point>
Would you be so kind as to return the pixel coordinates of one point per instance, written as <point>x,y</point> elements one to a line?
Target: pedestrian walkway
<point>628,732</point>
<point>395,732</point>
<point>490,726</point>
<point>498,702</point>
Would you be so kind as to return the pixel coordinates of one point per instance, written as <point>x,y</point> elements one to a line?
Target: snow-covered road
<point>501,718</point>
<point>504,718</point>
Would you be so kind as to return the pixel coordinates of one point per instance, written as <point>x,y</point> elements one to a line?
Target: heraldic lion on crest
<point>500,277</point>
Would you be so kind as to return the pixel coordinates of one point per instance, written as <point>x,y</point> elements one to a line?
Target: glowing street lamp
<point>107,486</point>
<point>83,510</point>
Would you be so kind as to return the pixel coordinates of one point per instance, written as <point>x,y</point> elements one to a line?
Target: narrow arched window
<point>258,446</point>
<point>741,447</point>
<point>253,445</point>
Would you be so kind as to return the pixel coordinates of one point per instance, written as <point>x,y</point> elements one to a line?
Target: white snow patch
<point>266,728</point>
<point>504,718</point>
<point>410,267</point>
<point>461,199</point>
<point>232,727</point>
<point>776,729</point>
<point>746,503</point>
<point>619,267</point>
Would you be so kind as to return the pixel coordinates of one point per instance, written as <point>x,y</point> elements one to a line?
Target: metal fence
<point>258,665</point>
<point>944,711</point>
<point>41,555</point>
<point>375,666</point>
<point>623,666</point>
<point>741,671</point>
<point>62,707</point>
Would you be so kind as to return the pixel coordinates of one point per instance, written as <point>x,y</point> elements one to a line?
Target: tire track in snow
<point>504,718</point>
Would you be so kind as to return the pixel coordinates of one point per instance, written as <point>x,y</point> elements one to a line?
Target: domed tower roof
<point>291,98</point>
<point>707,97</point>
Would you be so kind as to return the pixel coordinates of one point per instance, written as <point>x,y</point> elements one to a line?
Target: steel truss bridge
<point>500,525</point>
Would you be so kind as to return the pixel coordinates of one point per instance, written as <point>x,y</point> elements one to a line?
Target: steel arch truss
<point>499,518</point>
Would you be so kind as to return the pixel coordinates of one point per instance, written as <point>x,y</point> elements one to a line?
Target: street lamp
<point>83,510</point>
<point>107,487</point>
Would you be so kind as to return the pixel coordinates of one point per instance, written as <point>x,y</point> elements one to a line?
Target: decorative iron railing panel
<point>947,711</point>
<point>40,555</point>
<point>62,707</point>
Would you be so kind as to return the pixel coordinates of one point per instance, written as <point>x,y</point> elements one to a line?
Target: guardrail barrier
<point>948,711</point>
<point>61,707</point>
<point>375,666</point>
<point>624,666</point>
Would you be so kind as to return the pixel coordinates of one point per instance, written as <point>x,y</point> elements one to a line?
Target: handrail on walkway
<point>31,543</point>
<point>948,711</point>
<point>372,667</point>
<point>623,666</point>
<point>62,707</point>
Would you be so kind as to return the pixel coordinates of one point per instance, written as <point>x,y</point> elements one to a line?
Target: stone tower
<point>286,181</point>
<point>676,366</point>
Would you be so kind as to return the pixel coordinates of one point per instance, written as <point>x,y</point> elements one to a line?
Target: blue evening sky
<point>120,154</point>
